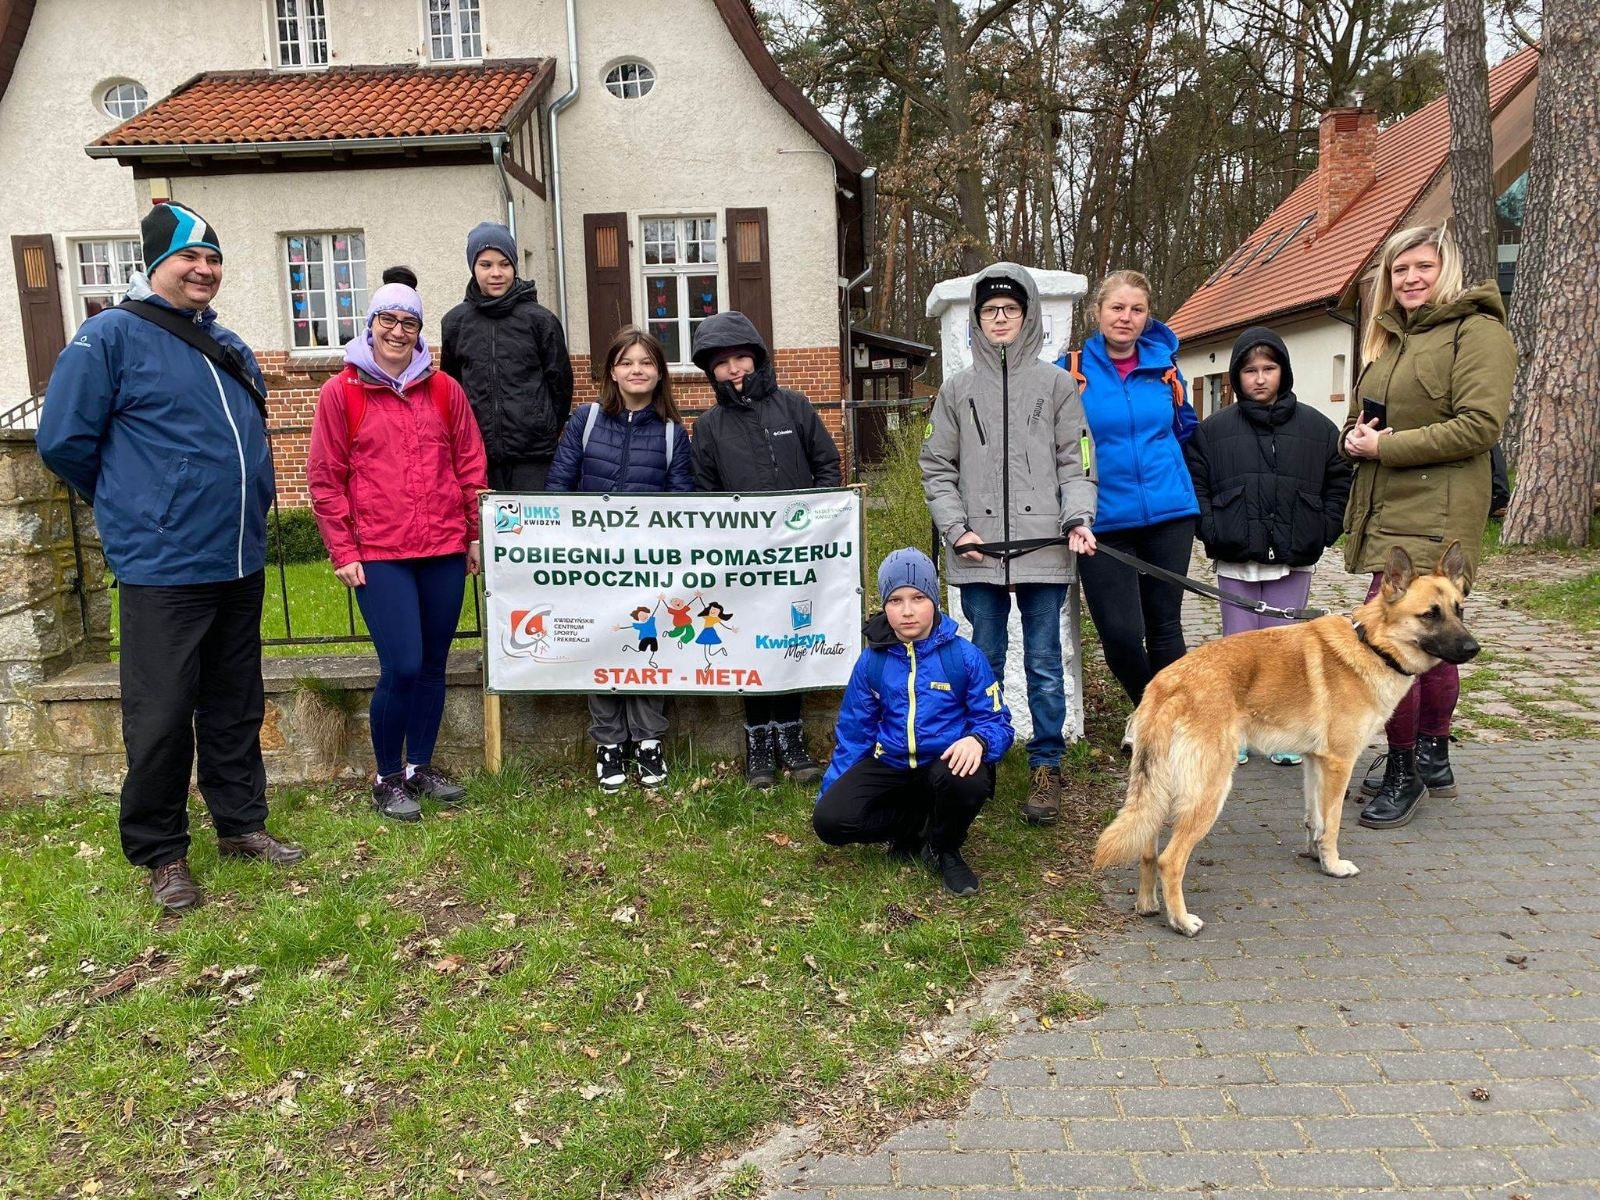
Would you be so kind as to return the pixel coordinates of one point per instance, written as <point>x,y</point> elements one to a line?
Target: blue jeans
<point>411,606</point>
<point>988,606</point>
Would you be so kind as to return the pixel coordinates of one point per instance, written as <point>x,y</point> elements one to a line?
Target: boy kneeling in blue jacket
<point>920,729</point>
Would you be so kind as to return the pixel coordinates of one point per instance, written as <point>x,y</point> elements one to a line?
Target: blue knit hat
<point>489,236</point>
<point>908,568</point>
<point>168,228</point>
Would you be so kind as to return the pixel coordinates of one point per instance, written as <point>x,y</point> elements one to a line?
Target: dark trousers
<point>872,802</point>
<point>411,607</point>
<point>1139,619</point>
<point>1428,706</point>
<point>518,476</point>
<point>765,710</point>
<point>191,684</point>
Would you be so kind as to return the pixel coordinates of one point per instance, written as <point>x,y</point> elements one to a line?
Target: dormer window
<point>455,30</point>
<point>630,80</point>
<point>302,29</point>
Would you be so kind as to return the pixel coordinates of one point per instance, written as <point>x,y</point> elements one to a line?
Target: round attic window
<point>630,80</point>
<point>124,100</point>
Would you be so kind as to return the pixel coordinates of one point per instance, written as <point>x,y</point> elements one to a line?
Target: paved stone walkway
<point>1427,1028</point>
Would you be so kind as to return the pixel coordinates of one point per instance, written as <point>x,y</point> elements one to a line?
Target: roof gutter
<point>437,141</point>
<point>869,203</point>
<point>561,104</point>
<point>499,151</point>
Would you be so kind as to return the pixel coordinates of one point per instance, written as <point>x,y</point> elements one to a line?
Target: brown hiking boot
<point>174,888</point>
<point>1043,805</point>
<point>262,845</point>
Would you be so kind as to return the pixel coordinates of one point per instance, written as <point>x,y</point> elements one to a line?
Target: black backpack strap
<point>226,357</point>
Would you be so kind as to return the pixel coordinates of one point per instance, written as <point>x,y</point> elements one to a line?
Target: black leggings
<point>1139,619</point>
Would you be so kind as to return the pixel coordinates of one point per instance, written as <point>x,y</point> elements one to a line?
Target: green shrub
<point>296,530</point>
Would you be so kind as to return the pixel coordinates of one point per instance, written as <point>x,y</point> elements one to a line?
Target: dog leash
<point>1006,551</point>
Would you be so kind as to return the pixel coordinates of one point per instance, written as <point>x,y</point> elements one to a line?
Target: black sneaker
<point>609,768</point>
<point>959,879</point>
<point>390,798</point>
<point>427,781</point>
<point>651,763</point>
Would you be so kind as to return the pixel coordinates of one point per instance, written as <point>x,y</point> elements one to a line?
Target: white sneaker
<point>609,768</point>
<point>651,763</point>
<point>1127,737</point>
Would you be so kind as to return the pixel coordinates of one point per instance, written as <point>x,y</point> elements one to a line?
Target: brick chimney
<point>1347,158</point>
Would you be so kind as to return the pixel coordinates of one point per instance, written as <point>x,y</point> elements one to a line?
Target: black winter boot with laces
<point>1433,765</point>
<point>760,759</point>
<point>793,756</point>
<point>1397,800</point>
<point>1377,769</point>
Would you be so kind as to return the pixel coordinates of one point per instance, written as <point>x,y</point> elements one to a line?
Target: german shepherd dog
<point>1320,689</point>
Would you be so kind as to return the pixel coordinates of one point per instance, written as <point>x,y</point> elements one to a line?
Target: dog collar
<point>1392,662</point>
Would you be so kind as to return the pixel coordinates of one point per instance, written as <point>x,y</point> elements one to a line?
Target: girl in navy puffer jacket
<point>632,440</point>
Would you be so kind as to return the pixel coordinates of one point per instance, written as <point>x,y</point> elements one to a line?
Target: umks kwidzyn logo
<point>800,614</point>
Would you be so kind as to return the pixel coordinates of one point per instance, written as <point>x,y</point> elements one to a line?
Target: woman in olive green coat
<point>1427,410</point>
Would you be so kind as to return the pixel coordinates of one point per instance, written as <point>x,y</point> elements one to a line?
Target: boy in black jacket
<point>760,438</point>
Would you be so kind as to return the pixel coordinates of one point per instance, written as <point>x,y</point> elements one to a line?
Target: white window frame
<point>452,45</point>
<point>120,253</point>
<point>707,233</point>
<point>137,103</point>
<point>642,84</point>
<point>326,259</point>
<point>306,16</point>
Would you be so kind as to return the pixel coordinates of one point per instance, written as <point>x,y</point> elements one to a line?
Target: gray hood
<point>985,354</point>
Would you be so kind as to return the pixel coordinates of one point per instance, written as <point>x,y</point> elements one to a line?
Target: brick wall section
<point>1347,159</point>
<point>294,383</point>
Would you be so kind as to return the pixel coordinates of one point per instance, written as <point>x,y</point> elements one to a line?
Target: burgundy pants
<point>1428,706</point>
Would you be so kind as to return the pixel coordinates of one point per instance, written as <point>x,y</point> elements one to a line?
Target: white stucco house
<point>1305,271</point>
<point>655,166</point>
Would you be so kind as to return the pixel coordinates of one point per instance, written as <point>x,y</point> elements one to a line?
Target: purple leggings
<point>1292,591</point>
<point>1428,706</point>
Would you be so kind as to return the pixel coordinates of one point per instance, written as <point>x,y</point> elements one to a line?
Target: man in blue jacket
<point>921,728</point>
<point>171,450</point>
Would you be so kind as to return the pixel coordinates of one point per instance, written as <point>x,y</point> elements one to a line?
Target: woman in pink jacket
<point>395,469</point>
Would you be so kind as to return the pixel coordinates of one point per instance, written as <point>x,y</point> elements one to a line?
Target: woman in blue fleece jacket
<point>920,729</point>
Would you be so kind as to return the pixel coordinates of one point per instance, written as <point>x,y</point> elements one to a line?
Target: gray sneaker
<point>390,798</point>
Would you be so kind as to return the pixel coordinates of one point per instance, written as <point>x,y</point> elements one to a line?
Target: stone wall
<point>60,702</point>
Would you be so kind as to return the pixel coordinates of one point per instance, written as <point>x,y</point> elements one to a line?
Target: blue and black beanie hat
<point>168,228</point>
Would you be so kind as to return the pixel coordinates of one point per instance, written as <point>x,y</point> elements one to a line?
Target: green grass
<point>551,993</point>
<point>319,606</point>
<point>1492,545</point>
<point>1574,601</point>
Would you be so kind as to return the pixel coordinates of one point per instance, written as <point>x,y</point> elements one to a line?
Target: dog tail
<point>1143,813</point>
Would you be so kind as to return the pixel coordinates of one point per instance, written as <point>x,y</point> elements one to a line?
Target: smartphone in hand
<point>1373,410</point>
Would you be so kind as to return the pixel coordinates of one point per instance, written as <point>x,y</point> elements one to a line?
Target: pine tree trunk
<point>1471,139</point>
<point>1561,418</point>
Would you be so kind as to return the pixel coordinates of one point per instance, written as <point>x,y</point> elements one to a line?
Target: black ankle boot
<point>760,759</point>
<point>1433,765</point>
<point>793,756</point>
<point>1377,771</point>
<point>1397,800</point>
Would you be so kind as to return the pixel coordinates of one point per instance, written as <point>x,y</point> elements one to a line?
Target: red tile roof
<point>222,108</point>
<point>1314,269</point>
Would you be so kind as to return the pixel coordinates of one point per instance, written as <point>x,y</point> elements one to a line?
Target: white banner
<point>672,592</point>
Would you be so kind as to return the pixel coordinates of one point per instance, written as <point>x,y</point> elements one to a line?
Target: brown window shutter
<point>39,291</point>
<point>749,268</point>
<point>606,268</point>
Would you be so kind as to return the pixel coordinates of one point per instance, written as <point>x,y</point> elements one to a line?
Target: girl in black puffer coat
<point>632,440</point>
<point>1271,484</point>
<point>760,438</point>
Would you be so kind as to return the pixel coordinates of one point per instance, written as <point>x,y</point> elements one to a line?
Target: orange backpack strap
<point>1076,371</point>
<point>1170,378</point>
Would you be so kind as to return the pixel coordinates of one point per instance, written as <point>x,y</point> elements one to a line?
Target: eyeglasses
<point>390,321</point>
<point>999,312</point>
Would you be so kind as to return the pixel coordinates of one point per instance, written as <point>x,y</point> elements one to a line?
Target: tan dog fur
<point>1312,689</point>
